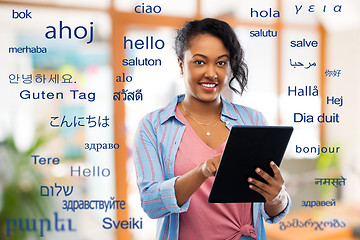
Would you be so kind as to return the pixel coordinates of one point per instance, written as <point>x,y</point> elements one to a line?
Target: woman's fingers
<point>276,170</point>
<point>205,170</point>
<point>217,162</point>
<point>260,190</point>
<point>264,175</point>
<point>210,167</point>
<point>273,185</point>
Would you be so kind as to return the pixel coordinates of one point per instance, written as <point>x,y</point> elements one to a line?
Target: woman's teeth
<point>208,85</point>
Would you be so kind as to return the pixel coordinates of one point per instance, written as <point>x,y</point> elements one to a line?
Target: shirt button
<point>227,122</point>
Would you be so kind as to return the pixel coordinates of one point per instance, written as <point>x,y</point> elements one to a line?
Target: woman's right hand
<point>210,166</point>
<point>188,183</point>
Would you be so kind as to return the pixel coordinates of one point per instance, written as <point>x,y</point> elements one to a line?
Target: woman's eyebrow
<point>203,56</point>
<point>224,55</point>
<point>199,55</point>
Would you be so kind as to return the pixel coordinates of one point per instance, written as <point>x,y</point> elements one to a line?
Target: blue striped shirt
<point>156,143</point>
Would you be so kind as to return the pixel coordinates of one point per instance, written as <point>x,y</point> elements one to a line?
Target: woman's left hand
<point>273,190</point>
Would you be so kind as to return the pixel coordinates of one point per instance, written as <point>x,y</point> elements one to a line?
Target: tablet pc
<point>247,148</point>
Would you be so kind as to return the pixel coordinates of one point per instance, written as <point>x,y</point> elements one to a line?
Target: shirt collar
<point>228,109</point>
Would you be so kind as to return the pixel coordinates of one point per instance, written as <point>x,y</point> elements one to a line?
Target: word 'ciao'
<point>147,8</point>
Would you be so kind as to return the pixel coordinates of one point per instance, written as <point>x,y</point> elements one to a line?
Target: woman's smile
<point>208,86</point>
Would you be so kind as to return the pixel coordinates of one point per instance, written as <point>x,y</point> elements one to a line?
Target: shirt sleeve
<point>157,193</point>
<point>277,218</point>
<point>260,119</point>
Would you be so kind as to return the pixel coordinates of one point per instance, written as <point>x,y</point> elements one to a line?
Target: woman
<point>178,147</point>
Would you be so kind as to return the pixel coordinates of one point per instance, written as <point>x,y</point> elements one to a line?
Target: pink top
<point>205,220</point>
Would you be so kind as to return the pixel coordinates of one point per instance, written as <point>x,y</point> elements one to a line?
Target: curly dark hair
<point>226,34</point>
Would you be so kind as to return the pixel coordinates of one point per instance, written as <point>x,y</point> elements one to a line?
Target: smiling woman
<point>178,147</point>
<point>205,68</point>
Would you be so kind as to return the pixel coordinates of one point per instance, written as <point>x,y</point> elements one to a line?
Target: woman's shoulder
<point>231,107</point>
<point>162,114</point>
<point>247,114</point>
<point>250,110</point>
<point>152,117</point>
<point>156,117</point>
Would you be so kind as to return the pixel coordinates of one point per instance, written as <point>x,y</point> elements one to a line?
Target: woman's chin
<point>208,97</point>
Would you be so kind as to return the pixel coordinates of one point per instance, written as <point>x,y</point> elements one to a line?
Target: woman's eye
<point>199,62</point>
<point>222,63</point>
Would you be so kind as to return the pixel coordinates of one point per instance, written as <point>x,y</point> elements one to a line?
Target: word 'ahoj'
<point>80,32</point>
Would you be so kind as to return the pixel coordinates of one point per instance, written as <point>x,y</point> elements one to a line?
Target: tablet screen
<point>247,148</point>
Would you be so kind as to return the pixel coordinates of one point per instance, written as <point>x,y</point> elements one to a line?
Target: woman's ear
<point>181,65</point>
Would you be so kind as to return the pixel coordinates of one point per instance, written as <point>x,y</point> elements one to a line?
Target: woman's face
<point>205,68</point>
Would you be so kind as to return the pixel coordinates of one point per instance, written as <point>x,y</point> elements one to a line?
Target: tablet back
<point>247,148</point>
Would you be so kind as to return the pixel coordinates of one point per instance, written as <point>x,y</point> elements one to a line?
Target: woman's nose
<point>211,72</point>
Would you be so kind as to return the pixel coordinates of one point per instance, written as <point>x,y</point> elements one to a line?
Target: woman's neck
<point>200,108</point>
